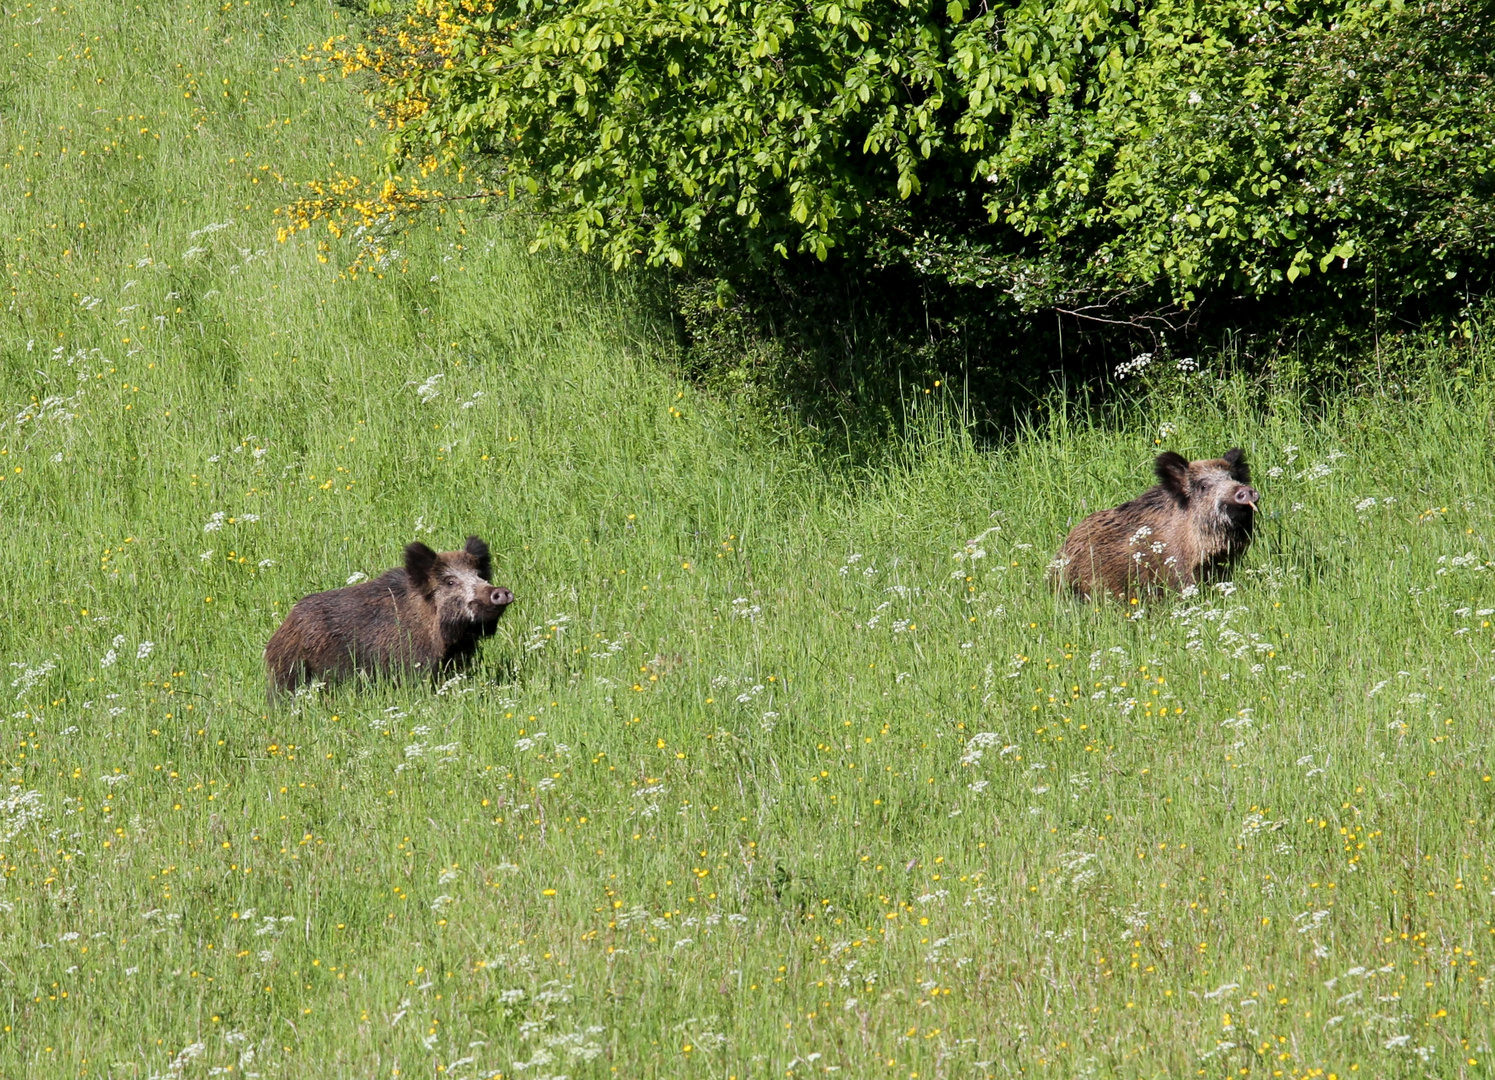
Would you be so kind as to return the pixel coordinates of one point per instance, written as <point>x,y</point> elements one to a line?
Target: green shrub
<point>891,191</point>
<point>1095,152</point>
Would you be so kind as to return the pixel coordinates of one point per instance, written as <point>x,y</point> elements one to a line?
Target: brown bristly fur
<point>426,617</point>
<point>1190,527</point>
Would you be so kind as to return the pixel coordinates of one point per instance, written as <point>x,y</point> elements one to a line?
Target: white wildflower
<point>428,390</point>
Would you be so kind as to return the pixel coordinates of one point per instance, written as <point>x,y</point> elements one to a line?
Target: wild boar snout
<point>1247,495</point>
<point>501,597</point>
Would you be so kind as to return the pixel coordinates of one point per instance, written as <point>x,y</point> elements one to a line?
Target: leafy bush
<point>1113,159</point>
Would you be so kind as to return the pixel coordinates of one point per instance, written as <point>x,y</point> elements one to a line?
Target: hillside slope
<point>781,764</point>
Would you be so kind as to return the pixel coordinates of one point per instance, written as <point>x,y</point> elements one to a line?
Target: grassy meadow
<point>781,765</point>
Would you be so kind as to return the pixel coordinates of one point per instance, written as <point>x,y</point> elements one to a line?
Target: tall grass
<point>775,768</point>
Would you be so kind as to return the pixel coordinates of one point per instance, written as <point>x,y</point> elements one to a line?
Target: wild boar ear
<point>419,562</point>
<point>479,552</point>
<point>1236,459</point>
<point>1173,473</point>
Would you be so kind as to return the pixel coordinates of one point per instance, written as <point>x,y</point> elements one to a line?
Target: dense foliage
<point>1114,153</point>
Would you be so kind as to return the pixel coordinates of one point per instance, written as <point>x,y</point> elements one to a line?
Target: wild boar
<point>1193,525</point>
<point>426,617</point>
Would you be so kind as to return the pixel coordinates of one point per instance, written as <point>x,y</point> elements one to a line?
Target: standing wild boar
<point>1194,523</point>
<point>426,617</point>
